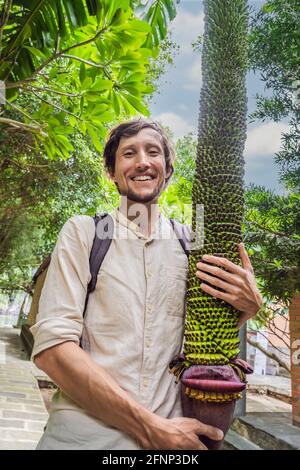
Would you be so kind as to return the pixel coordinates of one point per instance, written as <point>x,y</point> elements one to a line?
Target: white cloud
<point>194,76</point>
<point>176,123</point>
<point>264,140</point>
<point>186,28</point>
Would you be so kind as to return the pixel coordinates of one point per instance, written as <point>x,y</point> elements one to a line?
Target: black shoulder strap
<point>104,228</point>
<point>183,233</point>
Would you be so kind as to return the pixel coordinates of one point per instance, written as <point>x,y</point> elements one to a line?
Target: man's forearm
<point>92,388</point>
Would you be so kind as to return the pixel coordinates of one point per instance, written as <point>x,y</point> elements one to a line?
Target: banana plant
<point>212,376</point>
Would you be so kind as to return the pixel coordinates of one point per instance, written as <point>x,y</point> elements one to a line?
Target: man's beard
<point>136,197</point>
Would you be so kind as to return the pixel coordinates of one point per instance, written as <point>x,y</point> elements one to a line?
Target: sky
<point>177,103</point>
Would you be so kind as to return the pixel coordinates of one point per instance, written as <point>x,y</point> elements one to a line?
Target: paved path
<point>272,383</point>
<point>22,411</point>
<point>257,403</point>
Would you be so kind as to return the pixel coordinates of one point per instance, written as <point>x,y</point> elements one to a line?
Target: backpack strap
<point>104,227</point>
<point>183,233</point>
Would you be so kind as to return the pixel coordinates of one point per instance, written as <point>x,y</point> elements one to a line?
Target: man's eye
<point>128,154</point>
<point>153,152</point>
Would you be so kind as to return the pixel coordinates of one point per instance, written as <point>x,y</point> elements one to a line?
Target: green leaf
<point>101,85</point>
<point>87,83</point>
<point>134,77</point>
<point>139,26</point>
<point>115,102</point>
<point>99,109</point>
<point>107,116</point>
<point>133,90</point>
<point>36,52</point>
<point>137,104</point>
<point>53,121</point>
<point>64,129</point>
<point>53,73</point>
<point>92,96</point>
<point>64,142</point>
<point>82,73</point>
<point>72,121</point>
<point>98,126</point>
<point>95,138</point>
<point>268,8</point>
<point>82,127</point>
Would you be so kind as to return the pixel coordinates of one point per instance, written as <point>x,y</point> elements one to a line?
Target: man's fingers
<point>216,293</point>
<point>215,281</point>
<point>220,273</point>
<point>211,432</point>
<point>245,258</point>
<point>201,446</point>
<point>224,263</point>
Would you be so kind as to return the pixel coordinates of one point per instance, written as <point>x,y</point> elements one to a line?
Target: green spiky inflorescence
<point>211,334</point>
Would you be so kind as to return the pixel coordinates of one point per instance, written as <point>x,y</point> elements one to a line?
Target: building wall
<point>294,312</point>
<point>277,341</point>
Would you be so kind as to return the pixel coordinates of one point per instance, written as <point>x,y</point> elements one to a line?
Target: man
<point>116,392</point>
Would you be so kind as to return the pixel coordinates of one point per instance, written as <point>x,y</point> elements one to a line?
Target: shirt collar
<point>124,221</point>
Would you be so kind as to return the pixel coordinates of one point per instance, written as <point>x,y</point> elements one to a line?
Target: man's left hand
<point>238,283</point>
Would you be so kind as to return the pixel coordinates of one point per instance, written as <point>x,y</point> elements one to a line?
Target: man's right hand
<point>177,433</point>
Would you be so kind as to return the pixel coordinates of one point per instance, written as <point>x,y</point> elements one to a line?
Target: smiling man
<point>139,159</point>
<point>117,392</point>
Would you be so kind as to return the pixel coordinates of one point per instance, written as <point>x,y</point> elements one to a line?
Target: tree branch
<point>269,354</point>
<point>270,342</point>
<point>22,125</point>
<point>18,84</point>
<point>19,110</point>
<point>274,329</point>
<point>84,43</point>
<point>57,92</point>
<point>93,64</point>
<point>56,55</point>
<point>84,61</point>
<point>266,229</point>
<point>28,165</point>
<point>56,106</point>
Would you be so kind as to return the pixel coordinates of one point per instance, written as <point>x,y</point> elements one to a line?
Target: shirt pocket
<point>176,297</point>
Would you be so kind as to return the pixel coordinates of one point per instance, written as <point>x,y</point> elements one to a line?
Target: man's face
<point>140,166</point>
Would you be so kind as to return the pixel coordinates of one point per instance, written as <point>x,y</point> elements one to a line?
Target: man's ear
<point>169,172</point>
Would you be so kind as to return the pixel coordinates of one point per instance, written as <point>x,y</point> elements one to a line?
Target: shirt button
<point>149,308</point>
<point>148,343</point>
<point>149,274</point>
<point>145,382</point>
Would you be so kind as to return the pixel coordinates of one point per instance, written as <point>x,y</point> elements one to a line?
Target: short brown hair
<point>128,129</point>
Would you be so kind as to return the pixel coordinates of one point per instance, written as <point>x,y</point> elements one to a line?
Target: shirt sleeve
<point>61,305</point>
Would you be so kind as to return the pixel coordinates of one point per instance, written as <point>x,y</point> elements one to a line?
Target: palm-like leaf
<point>157,13</point>
<point>91,54</point>
<point>41,24</point>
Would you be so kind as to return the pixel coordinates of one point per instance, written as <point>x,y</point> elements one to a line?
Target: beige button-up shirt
<point>133,325</point>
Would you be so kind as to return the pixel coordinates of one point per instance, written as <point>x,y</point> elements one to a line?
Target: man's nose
<point>142,160</point>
